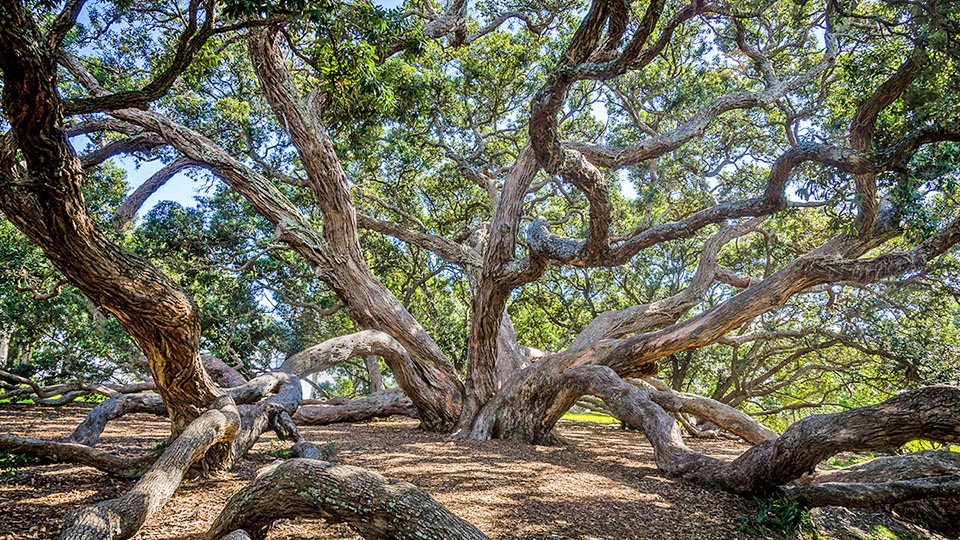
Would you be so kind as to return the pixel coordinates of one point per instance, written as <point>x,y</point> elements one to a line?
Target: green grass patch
<point>590,417</point>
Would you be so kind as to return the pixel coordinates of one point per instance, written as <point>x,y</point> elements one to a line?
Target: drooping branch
<point>927,413</point>
<point>720,414</point>
<point>870,494</point>
<point>75,452</point>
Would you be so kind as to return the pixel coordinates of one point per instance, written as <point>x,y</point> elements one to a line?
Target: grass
<point>590,417</point>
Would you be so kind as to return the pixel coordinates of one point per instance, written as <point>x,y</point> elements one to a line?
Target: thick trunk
<point>43,198</point>
<point>426,376</point>
<point>487,365</point>
<point>374,506</point>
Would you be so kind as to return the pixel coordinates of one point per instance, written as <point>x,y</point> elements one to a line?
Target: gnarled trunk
<point>42,196</point>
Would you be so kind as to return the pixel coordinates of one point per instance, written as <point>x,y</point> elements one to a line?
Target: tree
<point>477,142</point>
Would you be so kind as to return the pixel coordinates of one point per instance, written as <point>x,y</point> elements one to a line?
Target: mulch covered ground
<point>604,485</point>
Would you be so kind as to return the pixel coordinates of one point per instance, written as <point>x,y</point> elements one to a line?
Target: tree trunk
<point>43,198</point>
<point>372,364</point>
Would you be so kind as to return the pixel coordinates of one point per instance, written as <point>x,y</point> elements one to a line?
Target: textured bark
<point>867,494</point>
<point>529,405</point>
<point>89,431</point>
<point>121,518</point>
<point>69,452</point>
<point>372,505</point>
<point>372,364</point>
<point>43,198</point>
<point>724,416</point>
<point>264,414</point>
<point>333,351</point>
<point>488,361</point>
<point>931,413</point>
<point>379,405</point>
<point>430,381</point>
<point>221,372</point>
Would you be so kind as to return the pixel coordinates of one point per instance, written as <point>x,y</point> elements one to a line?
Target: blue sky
<point>181,188</point>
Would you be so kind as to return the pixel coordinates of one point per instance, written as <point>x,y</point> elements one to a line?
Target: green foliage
<point>590,417</point>
<point>781,517</point>
<point>9,463</point>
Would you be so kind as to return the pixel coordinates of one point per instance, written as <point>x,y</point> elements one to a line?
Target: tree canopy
<point>513,204</point>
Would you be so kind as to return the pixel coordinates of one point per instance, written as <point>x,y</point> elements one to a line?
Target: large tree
<point>499,140</point>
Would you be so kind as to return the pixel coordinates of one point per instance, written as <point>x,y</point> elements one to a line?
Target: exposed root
<point>372,505</point>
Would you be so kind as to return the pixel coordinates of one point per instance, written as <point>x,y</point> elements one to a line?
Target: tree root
<point>372,505</point>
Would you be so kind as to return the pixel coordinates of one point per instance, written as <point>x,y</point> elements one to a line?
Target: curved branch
<point>71,452</point>
<point>131,205</point>
<point>121,518</point>
<point>374,506</point>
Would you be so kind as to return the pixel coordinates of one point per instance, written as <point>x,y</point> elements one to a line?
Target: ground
<point>602,485</point>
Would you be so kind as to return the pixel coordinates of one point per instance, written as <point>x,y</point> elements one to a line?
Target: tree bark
<point>43,198</point>
<point>931,413</point>
<point>372,363</point>
<point>372,505</point>
<point>121,518</point>
<point>380,405</point>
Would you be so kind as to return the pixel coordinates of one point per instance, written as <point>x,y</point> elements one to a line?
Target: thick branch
<point>374,506</point>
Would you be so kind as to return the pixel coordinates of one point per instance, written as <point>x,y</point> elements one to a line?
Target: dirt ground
<point>603,485</point>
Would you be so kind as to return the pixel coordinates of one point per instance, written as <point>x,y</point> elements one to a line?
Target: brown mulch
<point>603,485</point>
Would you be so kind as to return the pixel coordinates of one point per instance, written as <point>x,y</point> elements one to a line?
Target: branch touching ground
<point>931,413</point>
<point>69,452</point>
<point>121,518</point>
<point>378,405</point>
<point>862,495</point>
<point>372,505</point>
